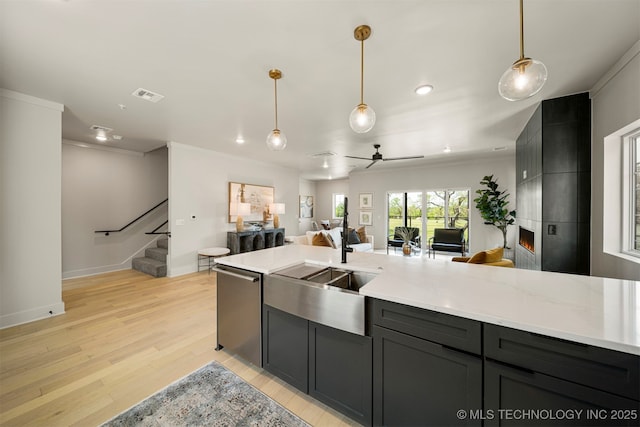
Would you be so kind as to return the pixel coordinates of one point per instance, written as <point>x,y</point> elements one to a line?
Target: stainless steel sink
<point>326,295</point>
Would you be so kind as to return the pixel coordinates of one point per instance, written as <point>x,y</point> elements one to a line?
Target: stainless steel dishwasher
<point>239,308</point>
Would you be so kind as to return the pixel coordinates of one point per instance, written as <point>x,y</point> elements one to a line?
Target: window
<point>633,194</point>
<point>338,206</point>
<point>443,209</point>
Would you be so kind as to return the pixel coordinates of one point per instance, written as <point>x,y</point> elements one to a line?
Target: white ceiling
<point>210,59</point>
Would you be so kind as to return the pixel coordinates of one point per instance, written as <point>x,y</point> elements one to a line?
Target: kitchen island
<point>479,339</point>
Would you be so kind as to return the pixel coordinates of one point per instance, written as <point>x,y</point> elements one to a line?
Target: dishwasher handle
<point>239,276</point>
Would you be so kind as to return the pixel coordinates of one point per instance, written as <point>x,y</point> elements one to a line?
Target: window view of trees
<point>448,209</point>
<point>338,206</point>
<point>444,209</point>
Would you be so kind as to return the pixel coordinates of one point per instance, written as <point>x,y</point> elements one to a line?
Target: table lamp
<point>241,209</point>
<point>276,209</point>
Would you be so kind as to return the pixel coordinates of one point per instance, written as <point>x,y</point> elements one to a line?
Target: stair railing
<point>155,230</point>
<point>106,232</point>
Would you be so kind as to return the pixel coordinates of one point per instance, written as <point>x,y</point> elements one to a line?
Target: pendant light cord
<point>362,71</point>
<point>521,31</point>
<point>275,89</point>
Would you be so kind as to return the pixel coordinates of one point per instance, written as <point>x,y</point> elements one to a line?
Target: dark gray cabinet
<point>340,371</point>
<point>249,240</point>
<point>527,371</point>
<point>331,365</point>
<point>421,374</point>
<point>285,350</point>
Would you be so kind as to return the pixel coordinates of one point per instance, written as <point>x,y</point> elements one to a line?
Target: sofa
<point>488,257</point>
<point>332,238</point>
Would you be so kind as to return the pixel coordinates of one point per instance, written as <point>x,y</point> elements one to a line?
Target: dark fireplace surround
<point>553,186</point>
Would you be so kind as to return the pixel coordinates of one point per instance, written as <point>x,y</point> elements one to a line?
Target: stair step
<point>150,266</point>
<point>163,243</point>
<point>159,254</point>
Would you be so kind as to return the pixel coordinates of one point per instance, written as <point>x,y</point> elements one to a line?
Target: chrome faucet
<point>345,232</point>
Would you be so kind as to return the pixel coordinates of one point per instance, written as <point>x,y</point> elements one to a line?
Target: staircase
<point>154,261</point>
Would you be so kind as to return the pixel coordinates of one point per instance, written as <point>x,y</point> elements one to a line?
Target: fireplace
<point>526,239</point>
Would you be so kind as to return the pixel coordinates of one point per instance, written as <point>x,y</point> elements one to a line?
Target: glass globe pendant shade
<point>362,118</point>
<point>522,80</point>
<point>276,140</point>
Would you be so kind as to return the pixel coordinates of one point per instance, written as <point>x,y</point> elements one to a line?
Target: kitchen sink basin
<point>326,295</point>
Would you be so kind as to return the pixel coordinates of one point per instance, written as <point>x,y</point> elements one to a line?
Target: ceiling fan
<point>378,156</point>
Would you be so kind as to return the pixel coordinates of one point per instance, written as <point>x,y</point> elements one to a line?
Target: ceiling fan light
<point>362,118</point>
<point>522,80</point>
<point>276,140</point>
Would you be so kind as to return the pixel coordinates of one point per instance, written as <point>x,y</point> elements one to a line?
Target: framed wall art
<point>259,196</point>
<point>366,200</point>
<point>306,206</point>
<point>366,218</point>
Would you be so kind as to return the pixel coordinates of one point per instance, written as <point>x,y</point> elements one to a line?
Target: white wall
<point>324,202</point>
<point>307,188</point>
<point>458,175</point>
<point>30,191</point>
<point>199,186</point>
<point>615,104</point>
<point>104,190</point>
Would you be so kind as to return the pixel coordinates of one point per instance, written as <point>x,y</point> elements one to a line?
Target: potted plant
<point>492,204</point>
<point>406,235</point>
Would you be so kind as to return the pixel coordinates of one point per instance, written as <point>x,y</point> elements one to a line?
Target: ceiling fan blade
<point>361,158</point>
<point>404,158</point>
<point>371,164</point>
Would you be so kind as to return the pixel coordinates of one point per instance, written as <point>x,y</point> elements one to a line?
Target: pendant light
<point>276,140</point>
<point>362,117</point>
<point>525,77</point>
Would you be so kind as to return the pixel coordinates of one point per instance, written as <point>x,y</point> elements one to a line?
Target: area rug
<point>210,396</point>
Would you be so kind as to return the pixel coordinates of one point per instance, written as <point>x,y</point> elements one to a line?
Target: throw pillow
<point>329,240</point>
<point>336,235</point>
<point>478,258</point>
<point>352,237</point>
<point>494,255</point>
<point>319,240</point>
<point>362,234</point>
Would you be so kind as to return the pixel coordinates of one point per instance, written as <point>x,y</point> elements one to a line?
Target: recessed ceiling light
<point>117,137</point>
<point>240,140</point>
<point>447,149</point>
<point>325,164</point>
<point>102,138</point>
<point>424,89</point>
<point>122,106</point>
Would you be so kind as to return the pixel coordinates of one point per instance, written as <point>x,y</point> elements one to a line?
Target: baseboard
<point>14,319</point>
<point>92,271</point>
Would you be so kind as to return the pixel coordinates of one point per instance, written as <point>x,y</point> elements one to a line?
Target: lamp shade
<point>522,80</point>
<point>362,118</point>
<point>276,140</point>
<point>276,208</point>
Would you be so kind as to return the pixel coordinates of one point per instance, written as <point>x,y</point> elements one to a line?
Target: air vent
<point>323,154</point>
<point>147,95</point>
<point>102,129</point>
<point>499,148</point>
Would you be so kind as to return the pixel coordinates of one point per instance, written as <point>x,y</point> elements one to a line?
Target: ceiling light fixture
<point>101,137</point>
<point>239,140</point>
<point>447,149</point>
<point>276,140</point>
<point>525,77</point>
<point>362,117</point>
<point>424,89</point>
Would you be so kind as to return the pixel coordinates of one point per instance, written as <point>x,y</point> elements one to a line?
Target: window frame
<point>334,205</point>
<point>630,180</point>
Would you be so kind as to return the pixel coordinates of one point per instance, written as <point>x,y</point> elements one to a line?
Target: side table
<point>210,254</point>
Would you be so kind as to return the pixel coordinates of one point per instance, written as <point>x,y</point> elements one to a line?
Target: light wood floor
<point>124,336</point>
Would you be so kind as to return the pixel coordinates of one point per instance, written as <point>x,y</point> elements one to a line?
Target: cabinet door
<point>418,382</point>
<point>284,346</point>
<point>520,397</point>
<point>340,371</point>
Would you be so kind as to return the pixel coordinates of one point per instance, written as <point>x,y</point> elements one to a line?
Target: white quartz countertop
<point>590,310</point>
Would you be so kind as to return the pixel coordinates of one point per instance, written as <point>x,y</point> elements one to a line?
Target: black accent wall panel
<point>553,176</point>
